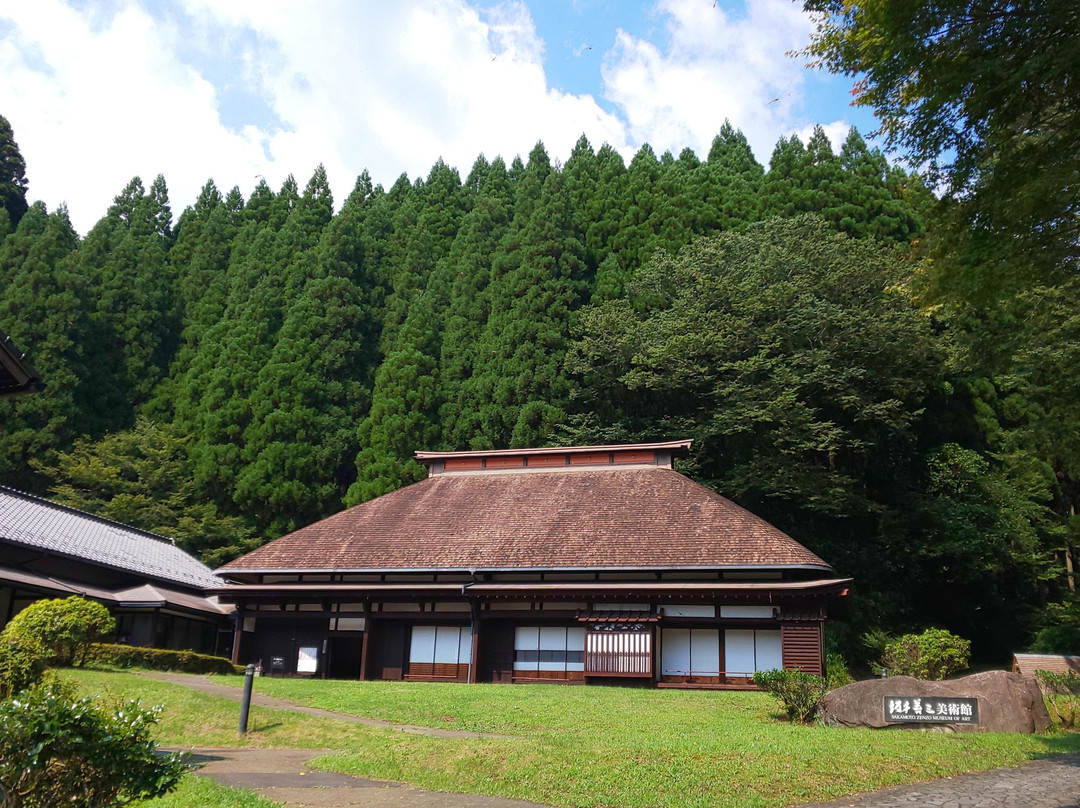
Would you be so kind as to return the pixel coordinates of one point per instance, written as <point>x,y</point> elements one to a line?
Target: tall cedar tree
<point>878,200</point>
<point>271,478</point>
<point>470,263</point>
<point>537,288</point>
<point>310,393</point>
<point>735,179</point>
<point>199,259</point>
<point>596,187</point>
<point>123,260</point>
<point>45,308</point>
<point>404,402</point>
<point>636,239</point>
<point>214,404</point>
<point>13,183</point>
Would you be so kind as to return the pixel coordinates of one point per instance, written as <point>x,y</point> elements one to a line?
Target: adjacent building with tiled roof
<point>590,563</point>
<point>157,592</point>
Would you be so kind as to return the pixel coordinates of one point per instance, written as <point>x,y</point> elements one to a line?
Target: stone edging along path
<point>204,685</point>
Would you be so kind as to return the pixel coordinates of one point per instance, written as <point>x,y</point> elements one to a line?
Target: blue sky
<point>98,91</point>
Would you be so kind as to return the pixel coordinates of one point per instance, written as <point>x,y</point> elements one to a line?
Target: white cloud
<point>97,96</point>
<point>837,132</point>
<point>714,67</point>
<point>94,103</point>
<point>393,87</point>
<point>390,87</point>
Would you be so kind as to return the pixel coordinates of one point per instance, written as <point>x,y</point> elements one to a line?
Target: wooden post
<point>364,643</point>
<point>238,633</point>
<point>474,655</point>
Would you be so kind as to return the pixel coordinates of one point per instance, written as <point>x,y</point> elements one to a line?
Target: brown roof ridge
<point>549,469</point>
<point>621,447</point>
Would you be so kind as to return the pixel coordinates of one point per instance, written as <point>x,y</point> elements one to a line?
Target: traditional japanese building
<point>593,563</point>
<point>155,590</point>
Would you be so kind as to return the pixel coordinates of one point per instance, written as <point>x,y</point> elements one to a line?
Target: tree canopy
<point>981,95</point>
<point>257,364</point>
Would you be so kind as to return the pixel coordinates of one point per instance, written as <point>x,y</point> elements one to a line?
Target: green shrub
<point>130,656</point>
<point>65,628</point>
<point>876,640</point>
<point>836,671</point>
<point>57,750</point>
<point>1061,692</point>
<point>799,692</point>
<point>22,664</point>
<point>934,654</point>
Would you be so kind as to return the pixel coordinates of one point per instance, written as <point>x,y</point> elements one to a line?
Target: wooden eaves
<point>834,586</point>
<point>17,375</point>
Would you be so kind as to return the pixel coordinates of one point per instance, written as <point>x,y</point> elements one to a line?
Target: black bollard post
<point>245,702</point>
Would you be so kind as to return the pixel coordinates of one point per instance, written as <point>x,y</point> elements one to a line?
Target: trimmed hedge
<point>130,656</point>
<point>65,627</point>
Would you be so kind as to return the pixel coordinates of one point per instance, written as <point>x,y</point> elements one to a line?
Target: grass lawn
<point>582,746</point>
<point>201,792</point>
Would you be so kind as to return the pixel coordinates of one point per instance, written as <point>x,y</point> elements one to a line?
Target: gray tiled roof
<point>39,523</point>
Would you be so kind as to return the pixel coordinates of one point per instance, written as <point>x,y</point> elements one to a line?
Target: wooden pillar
<point>238,633</point>
<point>364,644</point>
<point>474,655</point>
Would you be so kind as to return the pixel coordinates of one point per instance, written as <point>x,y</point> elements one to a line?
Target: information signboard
<point>307,659</point>
<point>930,710</point>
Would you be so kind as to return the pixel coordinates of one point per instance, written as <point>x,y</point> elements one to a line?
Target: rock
<point>1007,702</point>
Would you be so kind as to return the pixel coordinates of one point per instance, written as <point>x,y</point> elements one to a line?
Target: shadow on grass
<point>263,727</point>
<point>1061,743</point>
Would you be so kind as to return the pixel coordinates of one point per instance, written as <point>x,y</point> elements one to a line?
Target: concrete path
<point>204,685</point>
<point>1049,783</point>
<point>282,775</point>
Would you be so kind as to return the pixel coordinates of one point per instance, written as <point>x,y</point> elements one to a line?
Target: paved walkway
<point>1049,783</point>
<point>204,685</point>
<point>282,775</point>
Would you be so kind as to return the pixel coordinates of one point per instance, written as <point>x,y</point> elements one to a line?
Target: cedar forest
<point>854,359</point>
